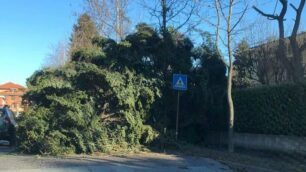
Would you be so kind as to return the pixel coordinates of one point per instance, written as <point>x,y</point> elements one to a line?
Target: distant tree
<point>243,66</point>
<point>57,57</point>
<point>83,33</point>
<point>176,14</point>
<point>256,65</point>
<point>110,17</point>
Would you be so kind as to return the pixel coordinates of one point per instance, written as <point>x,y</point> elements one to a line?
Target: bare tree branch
<point>239,20</point>
<point>223,41</point>
<point>185,22</point>
<point>177,13</point>
<point>293,7</point>
<point>284,9</point>
<point>110,17</point>
<point>217,8</point>
<point>222,12</point>
<point>298,17</point>
<point>269,16</point>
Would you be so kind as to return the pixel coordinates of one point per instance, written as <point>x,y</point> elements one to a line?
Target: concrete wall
<point>281,143</point>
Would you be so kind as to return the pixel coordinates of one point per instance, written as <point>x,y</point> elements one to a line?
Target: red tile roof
<point>10,85</point>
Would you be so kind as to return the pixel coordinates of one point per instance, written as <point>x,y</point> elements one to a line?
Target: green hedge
<point>277,110</point>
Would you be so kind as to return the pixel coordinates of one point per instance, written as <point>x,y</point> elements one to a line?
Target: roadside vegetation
<point>117,95</point>
<point>112,93</point>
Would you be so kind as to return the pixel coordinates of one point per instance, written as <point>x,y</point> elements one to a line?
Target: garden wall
<point>280,143</point>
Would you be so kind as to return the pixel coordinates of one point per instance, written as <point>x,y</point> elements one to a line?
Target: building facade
<point>11,95</point>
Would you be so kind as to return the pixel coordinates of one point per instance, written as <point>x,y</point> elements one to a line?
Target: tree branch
<point>269,16</point>
<point>239,20</point>
<point>188,18</point>
<point>284,9</point>
<point>178,11</point>
<point>210,23</point>
<point>297,18</point>
<point>222,12</point>
<point>293,7</point>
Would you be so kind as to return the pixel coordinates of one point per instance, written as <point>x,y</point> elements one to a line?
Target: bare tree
<point>211,15</point>
<point>297,61</point>
<point>57,57</point>
<point>175,13</point>
<point>294,67</point>
<point>231,17</point>
<point>204,18</point>
<point>110,17</point>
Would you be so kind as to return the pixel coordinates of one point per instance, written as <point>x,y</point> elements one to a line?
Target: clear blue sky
<point>29,28</point>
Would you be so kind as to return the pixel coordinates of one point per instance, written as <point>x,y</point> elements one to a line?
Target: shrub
<point>271,110</point>
<point>82,108</point>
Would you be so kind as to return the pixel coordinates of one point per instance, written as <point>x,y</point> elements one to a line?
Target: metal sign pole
<point>179,83</point>
<point>177,114</point>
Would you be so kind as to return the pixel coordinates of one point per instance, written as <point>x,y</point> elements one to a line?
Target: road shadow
<point>144,162</point>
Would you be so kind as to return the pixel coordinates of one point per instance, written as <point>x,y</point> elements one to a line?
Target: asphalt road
<point>148,162</point>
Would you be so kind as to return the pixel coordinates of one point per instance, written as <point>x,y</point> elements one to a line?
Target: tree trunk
<point>297,64</point>
<point>283,66</point>
<point>297,61</point>
<point>282,54</point>
<point>217,7</point>
<point>230,111</point>
<point>164,17</point>
<point>229,82</point>
<point>118,19</point>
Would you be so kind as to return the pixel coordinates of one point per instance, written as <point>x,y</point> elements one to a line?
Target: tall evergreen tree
<point>83,33</point>
<point>243,65</point>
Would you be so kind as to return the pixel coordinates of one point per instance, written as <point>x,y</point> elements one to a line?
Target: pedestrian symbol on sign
<point>180,83</point>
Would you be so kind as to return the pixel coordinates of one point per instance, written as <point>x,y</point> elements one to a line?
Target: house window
<point>12,97</point>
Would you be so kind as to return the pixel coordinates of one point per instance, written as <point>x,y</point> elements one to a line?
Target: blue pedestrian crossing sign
<point>179,82</point>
